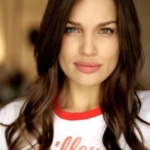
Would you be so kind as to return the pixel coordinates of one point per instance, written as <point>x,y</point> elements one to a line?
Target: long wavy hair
<point>120,103</point>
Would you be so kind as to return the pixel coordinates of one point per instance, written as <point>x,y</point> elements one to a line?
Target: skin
<point>90,40</point>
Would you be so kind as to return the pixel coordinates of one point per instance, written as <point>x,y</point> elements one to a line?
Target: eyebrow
<point>100,24</point>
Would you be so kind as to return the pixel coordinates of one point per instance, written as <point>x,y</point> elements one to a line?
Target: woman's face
<point>90,47</point>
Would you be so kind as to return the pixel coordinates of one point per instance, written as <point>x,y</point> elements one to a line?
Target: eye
<point>71,30</point>
<point>106,31</point>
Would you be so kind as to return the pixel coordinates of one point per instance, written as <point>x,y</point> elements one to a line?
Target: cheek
<point>110,50</point>
<point>69,48</point>
<point>63,54</point>
<point>110,62</point>
<point>110,54</point>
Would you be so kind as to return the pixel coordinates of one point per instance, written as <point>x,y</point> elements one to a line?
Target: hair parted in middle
<point>120,103</point>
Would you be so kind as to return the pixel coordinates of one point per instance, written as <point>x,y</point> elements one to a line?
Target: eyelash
<point>103,31</point>
<point>106,31</point>
<point>71,30</point>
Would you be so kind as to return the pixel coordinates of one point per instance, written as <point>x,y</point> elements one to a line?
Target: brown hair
<point>120,103</point>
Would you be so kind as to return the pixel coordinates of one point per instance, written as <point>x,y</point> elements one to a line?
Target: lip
<point>87,67</point>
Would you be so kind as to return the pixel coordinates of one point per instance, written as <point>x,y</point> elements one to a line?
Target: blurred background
<point>19,22</point>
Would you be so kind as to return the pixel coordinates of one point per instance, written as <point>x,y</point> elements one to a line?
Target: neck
<point>75,98</point>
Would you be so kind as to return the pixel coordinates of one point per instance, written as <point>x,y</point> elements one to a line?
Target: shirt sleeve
<point>145,115</point>
<point>8,114</point>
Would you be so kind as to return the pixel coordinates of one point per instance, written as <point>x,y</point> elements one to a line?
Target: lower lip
<point>87,69</point>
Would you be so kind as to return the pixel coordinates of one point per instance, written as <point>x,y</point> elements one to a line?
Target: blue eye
<point>70,30</point>
<point>106,31</point>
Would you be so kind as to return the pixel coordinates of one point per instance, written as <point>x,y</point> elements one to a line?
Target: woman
<point>88,56</point>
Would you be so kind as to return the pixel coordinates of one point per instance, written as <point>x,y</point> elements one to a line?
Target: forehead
<point>94,9</point>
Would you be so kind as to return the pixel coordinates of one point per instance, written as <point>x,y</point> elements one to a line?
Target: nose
<point>87,47</point>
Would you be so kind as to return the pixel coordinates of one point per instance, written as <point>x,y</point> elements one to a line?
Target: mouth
<point>87,67</point>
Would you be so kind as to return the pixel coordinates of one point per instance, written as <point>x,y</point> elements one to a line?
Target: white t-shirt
<point>78,131</point>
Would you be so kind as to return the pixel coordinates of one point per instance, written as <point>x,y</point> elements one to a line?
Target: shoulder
<point>144,114</point>
<point>144,97</point>
<point>10,112</point>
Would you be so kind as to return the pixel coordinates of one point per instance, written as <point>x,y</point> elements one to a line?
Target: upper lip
<point>88,64</point>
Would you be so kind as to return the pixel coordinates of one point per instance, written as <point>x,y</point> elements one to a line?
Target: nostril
<point>88,50</point>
